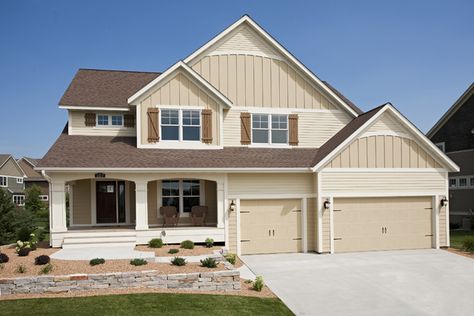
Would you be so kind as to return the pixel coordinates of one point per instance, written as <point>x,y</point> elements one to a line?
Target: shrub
<point>258,284</point>
<point>248,281</point>
<point>3,258</point>
<point>23,233</point>
<point>187,244</point>
<point>46,269</point>
<point>209,263</point>
<point>173,251</point>
<point>468,244</point>
<point>230,257</point>
<point>209,242</point>
<point>23,252</point>
<point>178,261</point>
<point>138,262</point>
<point>42,260</point>
<point>155,243</point>
<point>21,269</point>
<point>12,219</point>
<point>96,261</point>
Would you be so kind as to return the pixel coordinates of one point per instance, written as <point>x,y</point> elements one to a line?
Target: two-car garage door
<point>364,224</point>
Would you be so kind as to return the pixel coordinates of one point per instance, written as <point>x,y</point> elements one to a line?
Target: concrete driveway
<point>415,282</point>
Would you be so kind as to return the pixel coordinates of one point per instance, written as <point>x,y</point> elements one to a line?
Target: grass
<point>457,236</point>
<point>147,304</point>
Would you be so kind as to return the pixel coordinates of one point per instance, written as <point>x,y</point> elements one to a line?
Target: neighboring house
<point>282,160</point>
<point>454,134</point>
<point>12,179</point>
<point>34,177</point>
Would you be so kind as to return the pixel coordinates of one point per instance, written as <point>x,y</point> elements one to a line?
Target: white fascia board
<point>178,170</point>
<point>135,99</point>
<point>279,47</point>
<point>97,108</point>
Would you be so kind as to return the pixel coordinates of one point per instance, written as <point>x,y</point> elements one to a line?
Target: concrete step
<point>98,244</point>
<point>74,234</point>
<point>99,239</point>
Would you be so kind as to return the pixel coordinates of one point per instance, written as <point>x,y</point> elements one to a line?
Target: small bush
<point>96,261</point>
<point>209,263</point>
<point>173,251</point>
<point>187,244</point>
<point>178,261</point>
<point>3,258</point>
<point>155,243</point>
<point>42,260</point>
<point>209,242</point>
<point>21,269</point>
<point>138,262</point>
<point>23,252</point>
<point>230,257</point>
<point>23,233</point>
<point>46,269</point>
<point>248,281</point>
<point>258,284</point>
<point>468,244</point>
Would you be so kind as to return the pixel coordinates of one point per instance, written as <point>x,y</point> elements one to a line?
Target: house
<point>33,177</point>
<point>454,135</point>
<point>11,179</point>
<point>283,161</point>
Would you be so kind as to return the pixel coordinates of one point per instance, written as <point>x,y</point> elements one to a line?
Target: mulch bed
<point>163,251</point>
<point>461,253</point>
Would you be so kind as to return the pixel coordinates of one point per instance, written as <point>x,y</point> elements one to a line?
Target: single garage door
<point>270,226</point>
<point>364,224</point>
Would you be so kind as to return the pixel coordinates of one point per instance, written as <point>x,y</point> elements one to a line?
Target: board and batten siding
<point>384,151</point>
<point>180,90</point>
<point>81,202</point>
<point>77,125</point>
<point>255,184</point>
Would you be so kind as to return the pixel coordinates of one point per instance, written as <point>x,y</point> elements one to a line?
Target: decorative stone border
<point>207,281</point>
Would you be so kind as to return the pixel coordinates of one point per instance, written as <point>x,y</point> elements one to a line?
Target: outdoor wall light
<point>326,204</point>
<point>232,206</point>
<point>444,201</point>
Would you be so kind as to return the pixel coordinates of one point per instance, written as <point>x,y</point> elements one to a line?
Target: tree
<point>38,208</point>
<point>12,218</point>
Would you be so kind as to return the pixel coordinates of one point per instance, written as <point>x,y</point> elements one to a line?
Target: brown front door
<point>106,202</point>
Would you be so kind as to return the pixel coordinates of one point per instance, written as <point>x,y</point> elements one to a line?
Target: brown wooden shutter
<point>293,129</point>
<point>89,119</point>
<point>129,120</point>
<point>206,116</point>
<point>245,128</point>
<point>153,135</point>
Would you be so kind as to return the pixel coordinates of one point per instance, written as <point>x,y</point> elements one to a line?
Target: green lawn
<point>458,236</point>
<point>147,304</point>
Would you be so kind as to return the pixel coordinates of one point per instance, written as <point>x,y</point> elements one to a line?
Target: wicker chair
<point>170,215</point>
<point>198,215</point>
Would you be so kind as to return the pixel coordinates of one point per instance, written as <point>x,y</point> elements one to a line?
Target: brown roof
<point>74,151</point>
<point>104,88</point>
<point>27,165</point>
<point>3,158</point>
<point>340,95</point>
<point>343,134</point>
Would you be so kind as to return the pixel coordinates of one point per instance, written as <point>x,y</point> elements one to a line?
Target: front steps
<point>99,239</point>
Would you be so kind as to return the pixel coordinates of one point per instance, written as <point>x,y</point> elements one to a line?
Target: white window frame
<point>469,182</point>
<point>460,179</point>
<point>44,198</point>
<point>180,195</point>
<point>3,183</point>
<point>19,180</point>
<point>109,121</point>
<point>441,146</point>
<point>21,199</point>
<point>270,129</point>
<point>180,125</point>
<point>453,186</point>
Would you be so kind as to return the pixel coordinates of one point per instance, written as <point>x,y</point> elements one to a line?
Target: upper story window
<point>3,181</point>
<point>441,146</point>
<point>107,120</point>
<point>180,125</point>
<point>19,180</point>
<point>19,200</point>
<point>462,182</point>
<point>453,182</point>
<point>269,128</point>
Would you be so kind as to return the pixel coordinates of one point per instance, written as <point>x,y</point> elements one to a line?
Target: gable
<point>10,168</point>
<point>387,124</point>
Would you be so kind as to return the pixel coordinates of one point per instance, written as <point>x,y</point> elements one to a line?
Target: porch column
<point>58,207</point>
<point>141,208</point>
<point>220,204</point>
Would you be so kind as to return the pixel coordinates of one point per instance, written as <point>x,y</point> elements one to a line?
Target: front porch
<point>117,210</point>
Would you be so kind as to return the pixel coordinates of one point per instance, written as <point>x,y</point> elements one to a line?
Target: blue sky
<point>415,54</point>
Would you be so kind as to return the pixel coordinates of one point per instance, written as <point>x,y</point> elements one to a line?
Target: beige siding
<point>311,227</point>
<point>350,183</point>
<point>442,227</point>
<point>10,168</point>
<point>152,203</point>
<point>384,151</point>
<point>180,90</point>
<point>256,81</point>
<point>326,231</point>
<point>387,123</point>
<point>210,191</point>
<point>77,126</point>
<point>81,202</point>
<point>232,219</point>
<point>258,184</point>
<point>314,128</point>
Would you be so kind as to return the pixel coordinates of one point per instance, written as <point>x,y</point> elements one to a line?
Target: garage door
<point>363,224</point>
<point>270,226</point>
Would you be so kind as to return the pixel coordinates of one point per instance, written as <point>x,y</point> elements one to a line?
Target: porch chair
<point>198,215</point>
<point>170,215</point>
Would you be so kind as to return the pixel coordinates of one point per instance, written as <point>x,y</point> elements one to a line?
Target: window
<point>103,120</point>
<point>19,180</point>
<point>463,182</point>
<point>43,197</point>
<point>117,120</point>
<point>440,146</point>
<point>452,182</point>
<point>106,120</point>
<point>471,182</point>
<point>19,200</point>
<point>263,134</point>
<point>3,181</point>
<point>183,194</point>
<point>180,125</point>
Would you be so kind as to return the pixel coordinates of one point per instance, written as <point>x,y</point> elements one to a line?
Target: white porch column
<point>220,204</point>
<point>141,208</point>
<point>58,207</point>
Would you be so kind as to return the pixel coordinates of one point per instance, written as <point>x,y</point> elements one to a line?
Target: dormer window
<point>109,120</point>
<point>270,129</point>
<point>181,125</point>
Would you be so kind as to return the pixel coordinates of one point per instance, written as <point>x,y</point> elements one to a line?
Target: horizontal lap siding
<point>265,184</point>
<point>81,202</point>
<point>442,228</point>
<point>326,231</point>
<point>77,126</point>
<point>232,222</point>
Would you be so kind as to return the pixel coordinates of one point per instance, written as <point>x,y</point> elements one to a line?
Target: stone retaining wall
<point>206,281</point>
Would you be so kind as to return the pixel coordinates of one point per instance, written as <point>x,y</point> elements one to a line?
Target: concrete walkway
<point>416,282</point>
<point>87,253</point>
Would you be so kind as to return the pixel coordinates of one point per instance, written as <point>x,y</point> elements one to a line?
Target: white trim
<point>44,197</point>
<point>288,110</point>
<point>19,180</point>
<point>447,213</point>
<point>71,204</point>
<point>319,214</point>
<point>94,108</point>
<point>441,146</point>
<point>226,213</point>
<point>376,170</point>
<point>243,52</point>
<point>180,195</point>
<point>138,116</point>
<point>271,196</point>
<point>176,144</point>
<point>8,158</point>
<point>385,133</point>
<point>136,98</point>
<point>6,182</point>
<point>109,121</point>
<point>304,223</point>
<point>179,170</point>
<point>21,197</point>
<point>69,125</point>
<point>435,221</point>
<point>381,194</point>
<point>280,49</point>
<point>239,232</point>
<point>331,224</point>
<point>180,125</point>
<point>269,130</point>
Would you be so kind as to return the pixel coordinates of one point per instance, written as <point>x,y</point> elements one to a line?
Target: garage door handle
<point>269,233</point>
<point>273,232</point>
<point>337,238</point>
<point>431,235</point>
